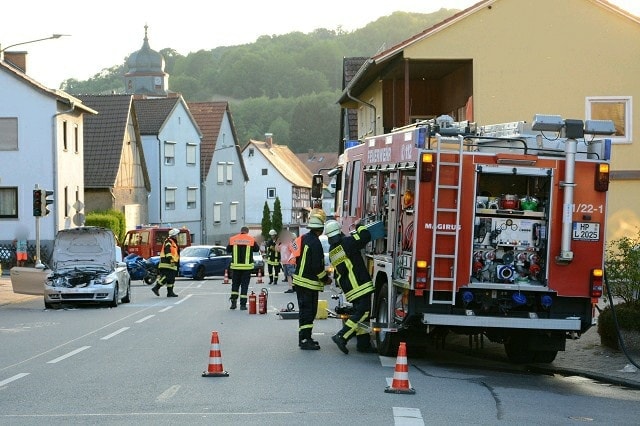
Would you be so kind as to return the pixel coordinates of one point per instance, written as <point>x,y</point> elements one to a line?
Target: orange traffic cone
<point>400,383</point>
<point>259,277</point>
<point>215,359</point>
<point>226,277</point>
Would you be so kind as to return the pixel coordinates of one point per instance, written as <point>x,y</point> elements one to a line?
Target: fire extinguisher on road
<point>252,303</point>
<point>262,301</point>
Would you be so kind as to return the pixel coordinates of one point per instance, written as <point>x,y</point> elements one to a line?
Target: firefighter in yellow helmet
<point>352,276</point>
<point>169,262</point>
<point>309,279</point>
<point>273,256</point>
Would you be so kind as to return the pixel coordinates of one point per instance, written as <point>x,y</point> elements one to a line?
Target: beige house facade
<point>506,60</point>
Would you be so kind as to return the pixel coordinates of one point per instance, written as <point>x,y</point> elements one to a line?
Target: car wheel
<point>127,297</point>
<point>116,298</point>
<point>150,278</point>
<point>199,275</point>
<point>48,305</point>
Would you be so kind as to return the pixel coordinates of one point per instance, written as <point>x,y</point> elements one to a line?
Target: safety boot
<point>340,342</point>
<point>234,303</point>
<point>309,345</point>
<point>155,290</point>
<point>170,292</point>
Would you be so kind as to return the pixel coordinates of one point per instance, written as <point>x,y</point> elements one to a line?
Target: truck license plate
<point>586,231</point>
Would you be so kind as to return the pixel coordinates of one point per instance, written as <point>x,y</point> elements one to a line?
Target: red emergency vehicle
<point>495,230</point>
<point>146,241</point>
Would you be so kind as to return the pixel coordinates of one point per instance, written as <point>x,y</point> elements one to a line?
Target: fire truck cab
<point>495,230</point>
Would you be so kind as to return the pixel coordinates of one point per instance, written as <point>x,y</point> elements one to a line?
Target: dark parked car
<point>198,262</point>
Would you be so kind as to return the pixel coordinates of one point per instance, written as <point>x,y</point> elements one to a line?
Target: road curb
<point>563,371</point>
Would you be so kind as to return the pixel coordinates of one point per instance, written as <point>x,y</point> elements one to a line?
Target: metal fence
<point>8,255</point>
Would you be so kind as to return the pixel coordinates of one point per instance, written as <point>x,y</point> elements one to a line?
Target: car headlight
<point>106,280</point>
<point>189,265</point>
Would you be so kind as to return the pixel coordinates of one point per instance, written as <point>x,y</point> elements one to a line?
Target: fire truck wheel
<point>517,348</point>
<point>545,357</point>
<point>386,342</point>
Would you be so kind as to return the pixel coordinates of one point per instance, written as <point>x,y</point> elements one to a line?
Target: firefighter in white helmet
<point>352,276</point>
<point>169,263</point>
<point>310,278</point>
<point>273,257</point>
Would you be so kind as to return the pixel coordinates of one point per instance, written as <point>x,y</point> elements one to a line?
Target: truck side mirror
<point>316,186</point>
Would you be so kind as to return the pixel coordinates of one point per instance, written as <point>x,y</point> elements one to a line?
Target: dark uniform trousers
<point>240,284</point>
<point>308,305</point>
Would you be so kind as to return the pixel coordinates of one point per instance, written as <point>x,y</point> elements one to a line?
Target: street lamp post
<point>53,36</point>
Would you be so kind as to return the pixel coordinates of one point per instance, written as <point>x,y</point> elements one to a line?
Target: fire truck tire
<point>517,348</point>
<point>545,357</point>
<point>386,342</point>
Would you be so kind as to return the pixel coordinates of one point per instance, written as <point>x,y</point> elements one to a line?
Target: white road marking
<point>184,299</point>
<point>144,319</point>
<point>168,394</point>
<point>115,333</point>
<point>403,416</point>
<point>70,354</point>
<point>199,285</point>
<point>165,309</point>
<point>12,379</point>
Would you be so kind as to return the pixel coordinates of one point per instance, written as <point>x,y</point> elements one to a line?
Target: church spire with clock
<point>145,71</point>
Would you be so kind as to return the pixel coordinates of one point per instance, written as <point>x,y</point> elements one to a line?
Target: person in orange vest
<point>309,279</point>
<point>169,262</point>
<point>241,247</point>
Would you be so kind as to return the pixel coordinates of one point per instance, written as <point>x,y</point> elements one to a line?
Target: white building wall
<point>256,191</point>
<point>178,128</point>
<point>226,193</point>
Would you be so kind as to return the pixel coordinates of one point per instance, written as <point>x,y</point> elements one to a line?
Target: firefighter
<point>353,278</point>
<point>169,262</point>
<point>309,279</point>
<point>273,257</point>
<point>241,247</point>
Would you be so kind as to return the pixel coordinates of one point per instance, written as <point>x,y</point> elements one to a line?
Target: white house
<point>41,143</point>
<point>171,144</point>
<point>222,172</point>
<point>275,171</point>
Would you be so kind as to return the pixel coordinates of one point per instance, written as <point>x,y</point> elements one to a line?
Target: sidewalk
<point>584,357</point>
<point>7,295</point>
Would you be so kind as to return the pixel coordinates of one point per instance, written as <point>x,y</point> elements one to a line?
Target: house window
<point>271,193</point>
<point>229,172</point>
<point>265,172</point>
<point>169,153</point>
<point>8,202</point>
<point>192,192</point>
<point>220,173</point>
<point>65,142</point>
<point>76,139</point>
<point>66,201</point>
<point>217,212</point>
<point>170,198</point>
<point>8,134</point>
<point>191,153</point>
<point>615,108</point>
<point>233,212</point>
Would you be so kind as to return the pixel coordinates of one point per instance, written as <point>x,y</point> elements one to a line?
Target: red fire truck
<point>493,231</point>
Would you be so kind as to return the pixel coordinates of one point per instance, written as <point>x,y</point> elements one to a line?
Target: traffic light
<point>37,202</point>
<point>46,201</point>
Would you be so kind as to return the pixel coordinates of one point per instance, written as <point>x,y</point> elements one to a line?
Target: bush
<point>622,265</point>
<point>111,219</point>
<point>628,315</point>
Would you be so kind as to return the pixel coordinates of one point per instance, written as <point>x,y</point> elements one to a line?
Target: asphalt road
<point>142,363</point>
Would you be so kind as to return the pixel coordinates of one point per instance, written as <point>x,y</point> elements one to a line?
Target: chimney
<point>17,59</point>
<point>268,139</point>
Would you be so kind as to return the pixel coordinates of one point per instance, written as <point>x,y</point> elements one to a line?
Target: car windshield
<point>195,252</point>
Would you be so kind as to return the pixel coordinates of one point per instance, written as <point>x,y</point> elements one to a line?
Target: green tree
<point>276,221</point>
<point>266,221</point>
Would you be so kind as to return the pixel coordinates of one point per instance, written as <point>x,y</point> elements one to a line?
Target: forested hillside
<point>287,84</point>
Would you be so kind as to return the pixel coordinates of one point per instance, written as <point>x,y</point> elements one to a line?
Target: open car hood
<point>88,247</point>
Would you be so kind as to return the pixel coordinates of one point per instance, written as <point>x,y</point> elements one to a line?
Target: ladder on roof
<point>446,220</point>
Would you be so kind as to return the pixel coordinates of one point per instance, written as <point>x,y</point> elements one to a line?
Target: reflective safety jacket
<point>170,255</point>
<point>350,271</point>
<point>273,254</point>
<point>240,246</point>
<point>310,271</point>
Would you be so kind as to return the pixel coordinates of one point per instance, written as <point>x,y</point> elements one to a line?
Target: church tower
<point>145,72</point>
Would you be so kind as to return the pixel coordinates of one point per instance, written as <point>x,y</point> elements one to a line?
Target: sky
<point>102,35</point>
